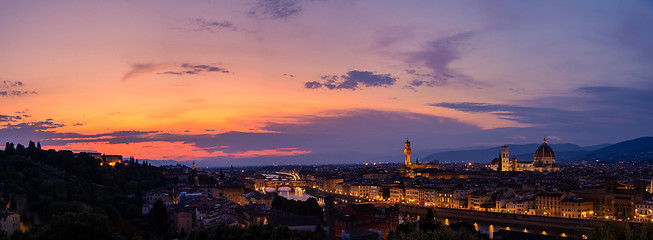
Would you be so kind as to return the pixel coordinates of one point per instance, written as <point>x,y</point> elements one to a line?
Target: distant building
<point>543,160</point>
<point>644,211</point>
<point>397,193</point>
<point>409,168</point>
<point>479,200</point>
<point>179,173</point>
<point>577,208</point>
<point>330,184</point>
<point>229,191</point>
<point>9,222</point>
<point>549,204</point>
<point>614,200</point>
<point>259,182</point>
<point>111,160</point>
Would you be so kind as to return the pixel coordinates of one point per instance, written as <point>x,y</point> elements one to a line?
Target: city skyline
<point>216,80</point>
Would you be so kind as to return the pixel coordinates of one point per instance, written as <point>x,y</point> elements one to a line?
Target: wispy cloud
<point>140,68</point>
<point>437,55</point>
<point>413,85</point>
<point>352,80</point>
<point>10,91</point>
<point>16,93</point>
<point>596,108</point>
<point>275,9</point>
<point>196,69</point>
<point>201,24</point>
<point>35,125</point>
<point>179,69</point>
<point>10,118</point>
<point>10,84</point>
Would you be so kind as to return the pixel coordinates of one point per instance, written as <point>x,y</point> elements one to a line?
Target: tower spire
<point>544,141</point>
<point>407,153</point>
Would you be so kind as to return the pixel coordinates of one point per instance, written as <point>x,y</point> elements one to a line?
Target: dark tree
<point>31,146</point>
<point>20,149</point>
<point>9,148</point>
<point>159,217</point>
<point>80,226</point>
<point>427,224</point>
<point>622,230</point>
<point>385,193</point>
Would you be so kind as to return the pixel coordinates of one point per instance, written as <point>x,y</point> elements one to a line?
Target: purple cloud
<point>10,84</point>
<point>313,85</point>
<point>353,80</point>
<point>140,68</point>
<point>206,25</point>
<point>10,92</point>
<point>9,118</point>
<point>598,110</point>
<point>16,93</point>
<point>437,56</point>
<point>196,69</point>
<point>275,9</point>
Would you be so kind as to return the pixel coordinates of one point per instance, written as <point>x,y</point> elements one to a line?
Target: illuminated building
<point>408,167</point>
<point>407,153</point>
<point>577,208</point>
<point>543,160</point>
<point>9,222</point>
<point>549,204</point>
<point>111,160</point>
<point>644,211</point>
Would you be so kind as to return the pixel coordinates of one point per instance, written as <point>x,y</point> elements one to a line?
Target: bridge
<point>288,183</point>
<point>284,179</point>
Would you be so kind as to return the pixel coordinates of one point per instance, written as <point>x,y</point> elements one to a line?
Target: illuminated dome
<point>496,161</point>
<point>544,151</point>
<point>544,159</point>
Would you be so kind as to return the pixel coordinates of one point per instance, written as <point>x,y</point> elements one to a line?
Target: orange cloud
<point>178,151</point>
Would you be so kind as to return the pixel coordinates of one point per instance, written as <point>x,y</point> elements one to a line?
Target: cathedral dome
<point>544,151</point>
<point>495,161</point>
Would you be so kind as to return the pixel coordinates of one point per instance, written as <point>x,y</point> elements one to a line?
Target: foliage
<point>253,232</point>
<point>80,226</point>
<point>206,180</point>
<point>622,231</point>
<point>47,184</point>
<point>310,207</point>
<point>159,217</point>
<point>459,231</point>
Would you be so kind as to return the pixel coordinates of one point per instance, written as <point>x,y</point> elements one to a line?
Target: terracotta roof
<point>544,151</point>
<point>495,161</point>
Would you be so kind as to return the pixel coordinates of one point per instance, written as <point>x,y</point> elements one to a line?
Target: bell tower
<point>407,152</point>
<point>505,159</point>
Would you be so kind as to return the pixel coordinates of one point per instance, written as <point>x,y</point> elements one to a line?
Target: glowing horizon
<point>264,78</point>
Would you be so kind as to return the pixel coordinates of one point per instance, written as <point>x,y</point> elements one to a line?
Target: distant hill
<point>631,150</point>
<point>523,152</point>
<point>636,149</point>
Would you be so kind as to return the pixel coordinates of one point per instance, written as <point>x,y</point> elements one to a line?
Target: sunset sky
<point>222,81</point>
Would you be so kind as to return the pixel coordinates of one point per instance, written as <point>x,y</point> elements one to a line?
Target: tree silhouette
<point>9,149</point>
<point>80,226</point>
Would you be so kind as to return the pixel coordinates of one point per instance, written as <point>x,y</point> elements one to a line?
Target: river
<point>298,194</point>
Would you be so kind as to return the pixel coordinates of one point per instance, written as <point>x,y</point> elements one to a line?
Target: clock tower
<point>407,152</point>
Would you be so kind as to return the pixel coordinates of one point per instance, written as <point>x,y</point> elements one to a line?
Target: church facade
<point>543,160</point>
